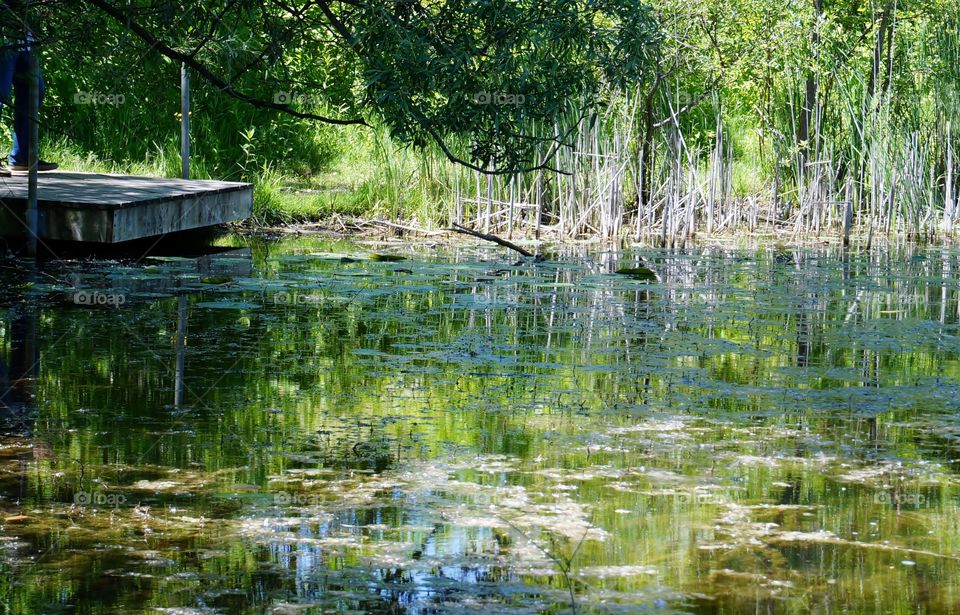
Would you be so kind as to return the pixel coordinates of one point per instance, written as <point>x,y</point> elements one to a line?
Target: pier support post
<point>184,121</point>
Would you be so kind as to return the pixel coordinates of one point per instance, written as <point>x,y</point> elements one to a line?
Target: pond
<point>290,426</point>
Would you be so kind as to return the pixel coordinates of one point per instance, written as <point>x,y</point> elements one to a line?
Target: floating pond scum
<point>101,208</point>
<point>295,427</point>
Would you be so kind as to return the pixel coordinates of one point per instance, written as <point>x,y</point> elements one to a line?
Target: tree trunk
<point>808,114</point>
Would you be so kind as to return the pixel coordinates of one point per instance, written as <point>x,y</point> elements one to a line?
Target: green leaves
<point>489,75</point>
<point>492,82</point>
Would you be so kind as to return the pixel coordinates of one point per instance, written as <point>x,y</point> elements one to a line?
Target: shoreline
<point>364,229</point>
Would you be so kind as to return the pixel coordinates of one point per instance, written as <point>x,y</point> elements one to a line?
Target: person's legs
<point>21,108</point>
<point>8,60</point>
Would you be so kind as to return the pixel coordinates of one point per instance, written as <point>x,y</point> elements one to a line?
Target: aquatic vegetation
<point>639,273</point>
<point>765,428</point>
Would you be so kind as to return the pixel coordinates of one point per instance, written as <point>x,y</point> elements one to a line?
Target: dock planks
<point>104,208</point>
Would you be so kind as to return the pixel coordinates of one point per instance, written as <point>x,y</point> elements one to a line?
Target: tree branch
<point>459,228</point>
<point>225,87</point>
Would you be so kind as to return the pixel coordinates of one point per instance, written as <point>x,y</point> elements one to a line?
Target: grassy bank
<point>801,119</point>
<point>376,178</point>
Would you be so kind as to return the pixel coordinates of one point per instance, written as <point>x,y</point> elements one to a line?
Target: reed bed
<point>858,144</point>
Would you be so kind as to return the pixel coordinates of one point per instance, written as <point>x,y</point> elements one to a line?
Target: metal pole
<point>185,121</point>
<point>33,217</point>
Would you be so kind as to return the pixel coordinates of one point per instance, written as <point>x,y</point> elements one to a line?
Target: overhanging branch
<point>144,34</point>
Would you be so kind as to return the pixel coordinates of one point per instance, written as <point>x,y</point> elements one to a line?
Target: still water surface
<point>291,427</point>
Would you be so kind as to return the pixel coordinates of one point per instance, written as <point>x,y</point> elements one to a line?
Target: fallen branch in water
<point>458,228</point>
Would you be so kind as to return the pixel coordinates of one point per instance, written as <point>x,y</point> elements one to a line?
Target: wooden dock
<point>100,208</point>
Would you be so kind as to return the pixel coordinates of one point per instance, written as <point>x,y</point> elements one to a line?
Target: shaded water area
<point>291,427</point>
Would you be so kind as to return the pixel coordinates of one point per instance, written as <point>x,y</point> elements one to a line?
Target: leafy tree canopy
<point>496,84</point>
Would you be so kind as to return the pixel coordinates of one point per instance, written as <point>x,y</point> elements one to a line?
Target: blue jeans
<point>15,74</point>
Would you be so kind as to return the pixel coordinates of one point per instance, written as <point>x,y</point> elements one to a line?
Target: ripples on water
<point>293,428</point>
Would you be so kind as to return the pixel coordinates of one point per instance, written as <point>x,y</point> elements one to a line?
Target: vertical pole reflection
<point>181,349</point>
<point>16,382</point>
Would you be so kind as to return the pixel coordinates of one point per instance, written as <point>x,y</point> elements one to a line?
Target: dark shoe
<point>42,167</point>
